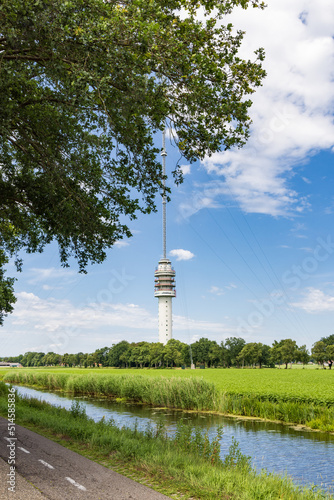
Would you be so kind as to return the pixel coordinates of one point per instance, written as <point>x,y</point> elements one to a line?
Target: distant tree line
<point>233,352</point>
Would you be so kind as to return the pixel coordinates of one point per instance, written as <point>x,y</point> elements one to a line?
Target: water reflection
<point>305,456</point>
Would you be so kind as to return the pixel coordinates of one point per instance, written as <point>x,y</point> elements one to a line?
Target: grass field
<point>303,397</point>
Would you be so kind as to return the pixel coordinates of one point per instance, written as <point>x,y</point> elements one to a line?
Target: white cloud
<point>121,244</point>
<point>231,286</point>
<point>307,249</point>
<point>194,339</point>
<point>298,227</point>
<point>171,133</point>
<point>59,323</point>
<point>44,274</point>
<point>206,327</point>
<point>316,301</point>
<point>292,112</point>
<point>51,314</point>
<point>181,254</point>
<point>328,210</point>
<point>201,199</point>
<point>47,287</point>
<point>301,236</point>
<point>185,169</point>
<point>215,290</point>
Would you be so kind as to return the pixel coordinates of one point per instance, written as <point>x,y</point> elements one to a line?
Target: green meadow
<point>304,397</point>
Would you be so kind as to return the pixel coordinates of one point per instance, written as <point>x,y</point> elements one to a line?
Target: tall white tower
<point>164,287</point>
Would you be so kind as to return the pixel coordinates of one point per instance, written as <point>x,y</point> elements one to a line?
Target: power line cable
<point>297,317</point>
<point>293,317</point>
<point>296,322</point>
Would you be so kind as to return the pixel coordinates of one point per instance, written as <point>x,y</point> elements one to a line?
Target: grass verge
<point>187,466</point>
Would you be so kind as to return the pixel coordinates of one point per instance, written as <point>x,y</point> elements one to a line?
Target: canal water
<point>307,457</point>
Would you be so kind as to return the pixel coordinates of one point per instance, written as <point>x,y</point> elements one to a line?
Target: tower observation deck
<point>164,286</point>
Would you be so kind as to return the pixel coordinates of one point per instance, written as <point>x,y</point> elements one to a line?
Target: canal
<point>307,457</point>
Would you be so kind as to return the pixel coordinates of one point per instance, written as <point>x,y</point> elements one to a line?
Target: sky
<point>250,232</point>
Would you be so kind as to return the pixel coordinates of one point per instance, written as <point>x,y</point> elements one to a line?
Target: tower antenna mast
<point>164,201</point>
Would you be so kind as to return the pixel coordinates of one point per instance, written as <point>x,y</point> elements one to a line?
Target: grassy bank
<point>173,389</point>
<point>187,466</point>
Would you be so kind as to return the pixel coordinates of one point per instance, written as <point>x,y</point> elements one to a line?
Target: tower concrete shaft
<point>164,289</point>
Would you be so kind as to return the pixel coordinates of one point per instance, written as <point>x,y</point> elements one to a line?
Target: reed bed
<point>187,394</point>
<point>315,416</point>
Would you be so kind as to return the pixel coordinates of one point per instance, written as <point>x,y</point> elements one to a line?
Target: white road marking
<point>69,479</point>
<point>45,463</point>
<point>10,439</point>
<point>76,484</point>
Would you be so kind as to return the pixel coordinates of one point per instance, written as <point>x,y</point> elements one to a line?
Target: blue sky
<point>250,232</point>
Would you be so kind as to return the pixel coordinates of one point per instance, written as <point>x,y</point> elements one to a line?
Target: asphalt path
<point>44,469</point>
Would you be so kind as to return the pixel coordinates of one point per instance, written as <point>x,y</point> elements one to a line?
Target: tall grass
<point>184,393</point>
<point>197,394</point>
<point>315,416</point>
<point>187,463</point>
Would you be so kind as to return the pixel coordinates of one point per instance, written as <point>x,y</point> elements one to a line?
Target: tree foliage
<point>7,297</point>
<point>319,351</point>
<point>173,352</point>
<point>233,346</point>
<point>114,356</point>
<point>176,353</point>
<point>84,87</point>
<point>285,351</point>
<point>302,354</point>
<point>330,353</point>
<point>328,340</point>
<point>156,354</point>
<point>255,353</point>
<point>201,350</point>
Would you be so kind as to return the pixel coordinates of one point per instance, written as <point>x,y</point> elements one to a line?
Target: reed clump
<point>187,394</point>
<point>315,416</point>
